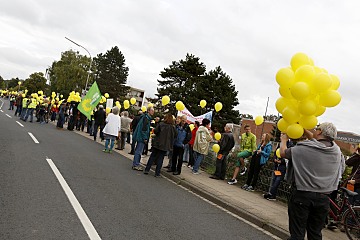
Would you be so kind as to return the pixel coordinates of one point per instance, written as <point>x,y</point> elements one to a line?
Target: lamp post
<point>87,79</point>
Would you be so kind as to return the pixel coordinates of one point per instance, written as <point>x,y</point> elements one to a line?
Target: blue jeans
<point>198,158</point>
<point>275,183</point>
<point>23,113</point>
<point>157,155</point>
<point>30,112</point>
<point>138,151</point>
<point>18,110</point>
<point>112,141</point>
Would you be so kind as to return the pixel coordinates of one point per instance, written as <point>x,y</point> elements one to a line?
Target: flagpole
<point>262,129</point>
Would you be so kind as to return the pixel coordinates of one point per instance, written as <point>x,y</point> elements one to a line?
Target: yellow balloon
<point>282,125</point>
<point>132,101</point>
<point>305,74</point>
<point>321,82</point>
<point>330,98</point>
<point>281,103</point>
<point>285,92</point>
<point>278,153</point>
<point>180,105</point>
<point>57,99</point>
<point>218,106</point>
<point>217,136</point>
<point>259,120</point>
<point>285,77</point>
<point>108,110</point>
<point>150,105</point>
<point>106,95</point>
<point>300,90</point>
<point>295,131</point>
<point>291,114</point>
<point>202,103</point>
<point>165,100</point>
<point>216,148</point>
<point>126,104</point>
<point>298,60</point>
<point>191,126</point>
<point>319,110</point>
<point>335,82</point>
<point>308,122</point>
<point>307,107</point>
<point>143,108</point>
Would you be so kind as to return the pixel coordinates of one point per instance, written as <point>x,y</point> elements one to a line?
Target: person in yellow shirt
<point>31,107</point>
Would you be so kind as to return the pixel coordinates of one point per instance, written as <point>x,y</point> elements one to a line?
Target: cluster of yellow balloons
<point>306,90</point>
<point>74,97</point>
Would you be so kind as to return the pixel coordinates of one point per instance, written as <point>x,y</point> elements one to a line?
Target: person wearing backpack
<point>183,137</point>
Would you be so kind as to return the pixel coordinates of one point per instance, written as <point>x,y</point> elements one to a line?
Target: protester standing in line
<point>12,102</point>
<point>317,164</point>
<point>182,138</point>
<point>19,99</point>
<point>133,126</point>
<point>247,147</point>
<point>201,144</point>
<point>170,153</point>
<point>165,133</point>
<point>24,107</point>
<point>99,118</point>
<point>354,162</point>
<point>30,111</point>
<point>125,128</point>
<point>61,118</point>
<point>141,136</point>
<point>191,145</point>
<point>260,157</point>
<point>112,129</point>
<point>227,143</point>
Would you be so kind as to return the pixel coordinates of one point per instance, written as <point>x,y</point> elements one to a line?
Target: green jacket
<point>248,143</point>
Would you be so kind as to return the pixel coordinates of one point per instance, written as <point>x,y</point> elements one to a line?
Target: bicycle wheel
<point>351,223</point>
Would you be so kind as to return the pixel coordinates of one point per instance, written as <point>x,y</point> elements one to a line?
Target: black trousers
<point>254,171</point>
<point>221,167</point>
<point>177,159</point>
<point>307,213</point>
<point>191,156</point>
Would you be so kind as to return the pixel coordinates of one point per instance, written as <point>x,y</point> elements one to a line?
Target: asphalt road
<point>110,201</point>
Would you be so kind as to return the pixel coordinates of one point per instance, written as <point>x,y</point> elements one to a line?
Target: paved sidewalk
<point>269,215</point>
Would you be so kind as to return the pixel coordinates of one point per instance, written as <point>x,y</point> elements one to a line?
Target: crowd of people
<point>313,166</point>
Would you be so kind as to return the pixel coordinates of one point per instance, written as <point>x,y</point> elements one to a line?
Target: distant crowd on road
<point>313,165</point>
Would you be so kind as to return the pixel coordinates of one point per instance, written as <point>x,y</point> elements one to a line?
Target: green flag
<point>91,99</point>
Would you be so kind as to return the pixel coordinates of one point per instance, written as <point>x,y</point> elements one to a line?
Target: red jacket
<point>193,135</point>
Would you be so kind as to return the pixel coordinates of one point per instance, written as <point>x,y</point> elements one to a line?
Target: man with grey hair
<point>227,143</point>
<point>125,128</point>
<point>317,164</point>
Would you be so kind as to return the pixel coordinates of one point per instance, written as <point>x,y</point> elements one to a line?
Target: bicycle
<point>346,215</point>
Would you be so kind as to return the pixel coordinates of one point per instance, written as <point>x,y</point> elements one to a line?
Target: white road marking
<point>1,111</point>
<point>8,115</point>
<point>2,103</point>
<point>223,209</point>
<point>89,228</point>
<point>33,138</point>
<point>19,123</point>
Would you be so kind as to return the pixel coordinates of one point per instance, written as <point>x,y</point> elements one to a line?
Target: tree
<point>2,83</point>
<point>69,73</point>
<point>111,73</point>
<point>179,82</point>
<point>36,82</point>
<point>188,81</point>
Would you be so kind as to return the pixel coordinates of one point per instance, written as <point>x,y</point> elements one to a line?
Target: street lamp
<point>87,79</point>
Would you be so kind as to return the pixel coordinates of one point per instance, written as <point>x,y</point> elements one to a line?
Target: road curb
<point>277,231</point>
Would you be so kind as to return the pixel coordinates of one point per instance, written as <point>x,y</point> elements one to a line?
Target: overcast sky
<point>251,40</point>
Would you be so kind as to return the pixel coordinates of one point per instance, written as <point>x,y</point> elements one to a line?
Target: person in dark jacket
<point>354,162</point>
<point>133,126</point>
<point>227,143</point>
<point>165,133</point>
<point>99,118</point>
<point>183,137</point>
